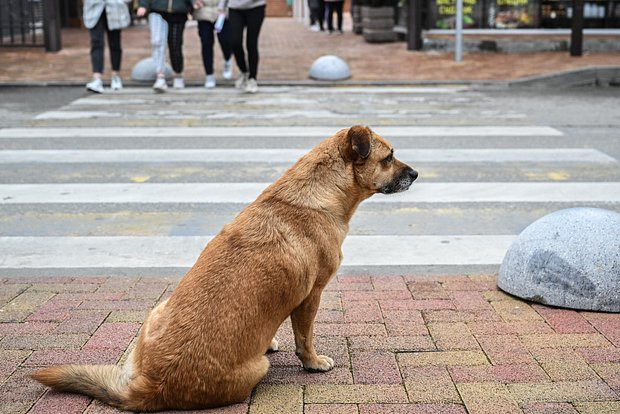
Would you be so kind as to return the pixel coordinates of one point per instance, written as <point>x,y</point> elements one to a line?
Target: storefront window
<point>522,14</point>
<point>596,14</point>
<point>513,14</point>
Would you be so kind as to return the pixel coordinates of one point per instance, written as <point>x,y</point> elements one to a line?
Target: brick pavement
<point>287,51</point>
<point>402,345</point>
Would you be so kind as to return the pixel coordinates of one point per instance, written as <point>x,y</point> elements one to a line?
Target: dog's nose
<point>413,174</point>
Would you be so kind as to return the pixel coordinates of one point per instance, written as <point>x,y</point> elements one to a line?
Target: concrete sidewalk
<point>287,51</point>
<point>402,345</point>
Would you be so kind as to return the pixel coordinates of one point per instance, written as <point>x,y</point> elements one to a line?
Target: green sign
<point>446,14</point>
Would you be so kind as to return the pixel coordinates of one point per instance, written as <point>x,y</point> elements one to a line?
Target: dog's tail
<point>108,383</point>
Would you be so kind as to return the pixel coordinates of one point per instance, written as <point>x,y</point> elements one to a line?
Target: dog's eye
<point>389,158</point>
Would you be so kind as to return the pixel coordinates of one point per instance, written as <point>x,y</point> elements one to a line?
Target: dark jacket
<point>170,6</point>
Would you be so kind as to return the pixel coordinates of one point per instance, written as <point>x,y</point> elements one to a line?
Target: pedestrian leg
<point>205,31</point>
<point>255,21</point>
<point>159,36</point>
<point>116,51</point>
<point>96,46</point>
<point>236,20</point>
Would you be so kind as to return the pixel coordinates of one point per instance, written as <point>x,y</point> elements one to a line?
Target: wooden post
<point>576,33</point>
<point>414,25</point>
<point>51,25</point>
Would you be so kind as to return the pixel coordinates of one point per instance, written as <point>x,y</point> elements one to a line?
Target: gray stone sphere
<point>569,258</point>
<point>329,68</point>
<point>144,71</point>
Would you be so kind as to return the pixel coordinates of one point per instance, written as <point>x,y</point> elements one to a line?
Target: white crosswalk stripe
<point>298,132</point>
<point>289,156</point>
<point>245,193</point>
<point>110,252</point>
<point>77,164</point>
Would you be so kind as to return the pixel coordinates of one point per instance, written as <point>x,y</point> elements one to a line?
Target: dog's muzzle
<point>402,182</point>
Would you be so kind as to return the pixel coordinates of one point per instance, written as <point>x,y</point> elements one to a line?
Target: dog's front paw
<point>273,347</point>
<point>322,363</point>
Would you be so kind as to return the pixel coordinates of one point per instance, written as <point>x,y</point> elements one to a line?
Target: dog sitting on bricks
<point>204,346</point>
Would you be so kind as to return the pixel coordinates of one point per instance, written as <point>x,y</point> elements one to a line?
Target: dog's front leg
<point>302,320</point>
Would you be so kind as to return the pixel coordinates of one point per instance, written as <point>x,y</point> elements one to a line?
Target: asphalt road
<point>136,183</point>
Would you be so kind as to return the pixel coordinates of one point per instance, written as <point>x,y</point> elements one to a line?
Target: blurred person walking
<point>105,16</point>
<point>174,12</point>
<point>210,20</point>
<point>242,15</point>
<point>331,6</point>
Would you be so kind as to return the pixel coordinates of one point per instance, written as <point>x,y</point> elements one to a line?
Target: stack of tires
<point>378,24</point>
<point>357,19</point>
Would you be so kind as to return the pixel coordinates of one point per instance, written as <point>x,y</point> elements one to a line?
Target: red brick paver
<point>402,345</point>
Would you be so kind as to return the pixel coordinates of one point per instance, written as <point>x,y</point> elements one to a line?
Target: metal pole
<point>458,41</point>
<point>51,25</point>
<point>414,25</point>
<point>576,33</point>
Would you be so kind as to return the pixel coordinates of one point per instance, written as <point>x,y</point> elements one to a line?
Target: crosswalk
<point>134,183</point>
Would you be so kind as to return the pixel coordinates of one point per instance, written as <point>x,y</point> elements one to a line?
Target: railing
<point>25,23</point>
<point>21,23</point>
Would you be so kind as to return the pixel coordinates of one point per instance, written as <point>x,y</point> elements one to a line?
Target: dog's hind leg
<point>302,320</point>
<point>241,381</point>
<point>230,387</point>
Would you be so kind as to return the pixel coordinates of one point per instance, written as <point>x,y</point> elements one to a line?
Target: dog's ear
<point>358,139</point>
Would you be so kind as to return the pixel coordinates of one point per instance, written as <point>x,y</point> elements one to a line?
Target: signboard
<point>520,14</point>
<point>512,14</point>
<point>445,14</point>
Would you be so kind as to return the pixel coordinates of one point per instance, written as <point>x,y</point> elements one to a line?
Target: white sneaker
<point>210,82</point>
<point>116,84</point>
<point>227,72</point>
<point>160,85</point>
<point>251,86</point>
<point>314,28</point>
<point>178,83</point>
<point>241,81</point>
<point>95,86</point>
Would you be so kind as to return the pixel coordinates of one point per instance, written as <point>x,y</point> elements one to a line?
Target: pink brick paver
<point>113,336</point>
<point>372,367</point>
<point>549,408</point>
<point>401,345</point>
<point>53,402</point>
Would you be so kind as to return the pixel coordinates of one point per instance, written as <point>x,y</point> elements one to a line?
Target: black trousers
<point>331,7</point>
<point>97,44</point>
<point>176,26</point>
<point>205,31</point>
<point>240,19</point>
<point>316,16</point>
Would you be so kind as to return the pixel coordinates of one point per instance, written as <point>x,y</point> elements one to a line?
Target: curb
<point>314,83</point>
<point>600,76</point>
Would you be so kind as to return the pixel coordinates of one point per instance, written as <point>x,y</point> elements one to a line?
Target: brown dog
<point>205,345</point>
